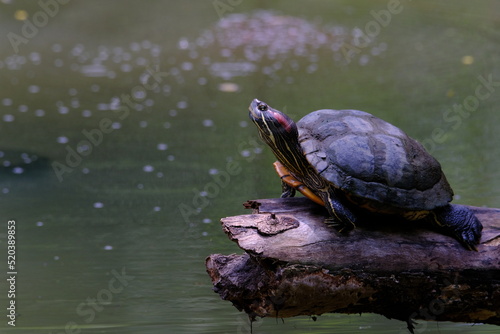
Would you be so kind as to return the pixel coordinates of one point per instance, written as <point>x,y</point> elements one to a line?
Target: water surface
<point>121,120</point>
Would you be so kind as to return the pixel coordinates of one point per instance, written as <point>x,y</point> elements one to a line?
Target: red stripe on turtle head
<point>283,120</point>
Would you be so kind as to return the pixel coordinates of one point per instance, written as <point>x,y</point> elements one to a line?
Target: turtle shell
<point>371,159</point>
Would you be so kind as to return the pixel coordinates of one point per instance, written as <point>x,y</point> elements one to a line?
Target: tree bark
<point>294,264</point>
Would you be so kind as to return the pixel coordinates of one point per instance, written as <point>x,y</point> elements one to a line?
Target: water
<point>124,138</point>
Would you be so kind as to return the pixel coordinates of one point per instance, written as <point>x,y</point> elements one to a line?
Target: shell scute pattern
<point>370,158</point>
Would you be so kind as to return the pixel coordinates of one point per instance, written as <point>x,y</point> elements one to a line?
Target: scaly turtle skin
<point>351,161</point>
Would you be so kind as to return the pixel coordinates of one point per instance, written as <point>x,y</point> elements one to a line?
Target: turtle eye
<point>262,107</point>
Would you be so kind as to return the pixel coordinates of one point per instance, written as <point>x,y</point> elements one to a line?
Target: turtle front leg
<point>341,217</point>
<point>289,184</point>
<point>287,190</point>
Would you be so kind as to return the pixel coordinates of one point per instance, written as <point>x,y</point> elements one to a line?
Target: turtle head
<point>274,126</point>
<point>278,130</point>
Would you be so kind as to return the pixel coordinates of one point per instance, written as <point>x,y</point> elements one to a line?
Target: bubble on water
<point>143,124</point>
<point>75,103</point>
<point>173,112</point>
<point>85,170</point>
<point>182,104</point>
<point>39,112</point>
<point>5,190</point>
<point>17,170</point>
<point>204,234</point>
<point>213,171</point>
<point>207,220</point>
<point>156,208</point>
<point>83,148</point>
<point>108,247</point>
<point>139,94</point>
<point>95,88</point>
<point>148,168</point>
<point>8,118</point>
<point>23,108</point>
<point>56,47</point>
<point>243,124</point>
<point>26,158</point>
<point>77,50</point>
<point>159,174</point>
<point>116,125</point>
<point>364,60</point>
<point>245,153</point>
<point>102,106</point>
<point>167,125</point>
<point>171,158</point>
<point>86,113</point>
<point>208,123</point>
<point>39,224</point>
<point>187,66</point>
<point>33,89</point>
<point>63,110</point>
<point>126,68</point>
<point>202,81</point>
<point>35,58</point>
<point>203,194</point>
<point>56,258</point>
<point>98,205</point>
<point>226,53</point>
<point>62,140</point>
<point>141,61</point>
<point>229,87</point>
<point>134,46</point>
<point>58,63</point>
<point>162,147</point>
<point>146,44</point>
<point>6,163</point>
<point>183,44</point>
<point>7,102</point>
<point>140,186</point>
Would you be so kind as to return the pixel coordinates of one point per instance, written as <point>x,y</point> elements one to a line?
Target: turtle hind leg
<point>461,223</point>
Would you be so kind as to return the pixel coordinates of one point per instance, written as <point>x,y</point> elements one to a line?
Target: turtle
<point>354,164</point>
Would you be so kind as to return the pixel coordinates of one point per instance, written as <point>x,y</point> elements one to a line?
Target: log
<point>294,264</point>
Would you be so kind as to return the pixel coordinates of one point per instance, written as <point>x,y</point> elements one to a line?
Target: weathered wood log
<point>297,265</point>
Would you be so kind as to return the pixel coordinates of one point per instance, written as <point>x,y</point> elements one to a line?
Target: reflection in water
<point>245,42</point>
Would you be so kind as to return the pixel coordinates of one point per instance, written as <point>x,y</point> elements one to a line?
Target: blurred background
<point>118,120</point>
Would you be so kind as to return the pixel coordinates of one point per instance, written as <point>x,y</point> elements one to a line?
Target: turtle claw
<point>338,225</point>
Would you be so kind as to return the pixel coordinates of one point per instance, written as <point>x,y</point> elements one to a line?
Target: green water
<point>125,138</point>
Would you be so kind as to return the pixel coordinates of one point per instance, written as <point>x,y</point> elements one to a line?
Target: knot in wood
<point>272,224</point>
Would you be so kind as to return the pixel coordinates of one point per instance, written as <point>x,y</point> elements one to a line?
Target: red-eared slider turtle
<point>352,162</point>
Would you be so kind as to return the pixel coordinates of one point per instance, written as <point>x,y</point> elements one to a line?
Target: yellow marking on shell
<point>387,210</point>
